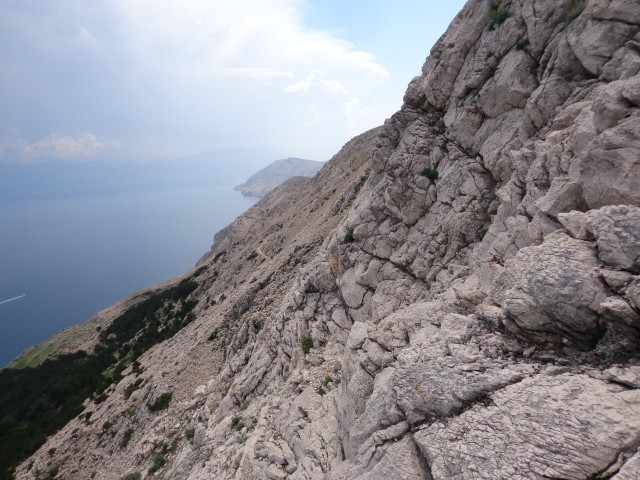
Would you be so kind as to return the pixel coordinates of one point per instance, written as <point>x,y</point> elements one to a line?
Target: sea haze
<point>67,253</point>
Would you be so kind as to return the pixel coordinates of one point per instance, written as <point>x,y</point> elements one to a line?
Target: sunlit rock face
<point>455,295</point>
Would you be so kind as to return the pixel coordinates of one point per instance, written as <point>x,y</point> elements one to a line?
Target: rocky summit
<point>455,295</point>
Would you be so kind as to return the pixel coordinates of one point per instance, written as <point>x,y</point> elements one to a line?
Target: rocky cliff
<point>276,173</point>
<point>455,295</point>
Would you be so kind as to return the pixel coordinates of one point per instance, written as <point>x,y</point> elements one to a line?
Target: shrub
<point>132,387</point>
<point>126,438</point>
<point>161,403</point>
<point>306,343</point>
<point>430,174</point>
<point>252,424</point>
<point>132,476</point>
<point>348,237</point>
<point>498,15</point>
<point>252,255</point>
<point>53,473</point>
<point>189,433</point>
<point>158,462</point>
<point>327,380</point>
<point>522,44</point>
<point>237,423</point>
<point>575,12</point>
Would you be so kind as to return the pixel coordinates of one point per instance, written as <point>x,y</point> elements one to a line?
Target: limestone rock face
<point>455,295</point>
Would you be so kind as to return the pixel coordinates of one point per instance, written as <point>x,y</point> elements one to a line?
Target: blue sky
<point>139,80</point>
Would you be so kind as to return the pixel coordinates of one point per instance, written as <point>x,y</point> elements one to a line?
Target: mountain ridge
<point>277,172</point>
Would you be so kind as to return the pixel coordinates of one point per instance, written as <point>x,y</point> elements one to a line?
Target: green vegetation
<point>200,271</point>
<point>306,343</point>
<point>132,387</point>
<point>430,174</point>
<point>575,12</point>
<point>252,255</point>
<point>542,67</point>
<point>218,256</point>
<point>36,402</point>
<point>189,433</point>
<point>126,437</point>
<point>348,237</point>
<point>252,423</point>
<point>237,423</point>
<point>601,475</point>
<point>497,14</point>
<point>327,380</point>
<point>53,472</point>
<point>522,44</point>
<point>158,462</point>
<point>132,476</point>
<point>263,284</point>
<point>161,403</point>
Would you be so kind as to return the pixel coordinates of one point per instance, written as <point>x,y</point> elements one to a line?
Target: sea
<point>64,259</point>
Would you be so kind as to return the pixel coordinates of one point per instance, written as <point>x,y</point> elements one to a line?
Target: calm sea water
<point>71,258</point>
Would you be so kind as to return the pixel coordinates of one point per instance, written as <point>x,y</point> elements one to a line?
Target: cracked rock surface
<point>455,295</point>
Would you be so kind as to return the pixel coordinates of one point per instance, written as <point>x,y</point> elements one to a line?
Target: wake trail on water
<point>13,299</point>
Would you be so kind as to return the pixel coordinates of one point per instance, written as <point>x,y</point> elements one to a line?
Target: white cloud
<point>335,86</point>
<point>216,37</point>
<point>252,73</point>
<point>55,146</point>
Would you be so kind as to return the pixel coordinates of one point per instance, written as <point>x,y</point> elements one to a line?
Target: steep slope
<point>276,173</point>
<point>453,296</point>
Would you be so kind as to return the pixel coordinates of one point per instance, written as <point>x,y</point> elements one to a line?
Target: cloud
<point>188,74</point>
<point>218,37</point>
<point>67,148</point>
<point>253,73</point>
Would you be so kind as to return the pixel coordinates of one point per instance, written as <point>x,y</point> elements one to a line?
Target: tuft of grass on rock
<point>575,12</point>
<point>430,174</point>
<point>161,403</point>
<point>158,462</point>
<point>306,343</point>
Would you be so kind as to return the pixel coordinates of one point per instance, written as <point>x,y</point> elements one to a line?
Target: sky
<point>143,80</point>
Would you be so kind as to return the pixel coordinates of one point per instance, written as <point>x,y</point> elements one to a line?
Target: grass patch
<point>431,174</point>
<point>306,343</point>
<point>132,387</point>
<point>497,15</point>
<point>348,237</point>
<point>161,403</point>
<point>158,462</point>
<point>237,423</point>
<point>575,12</point>
<point>126,438</point>
<point>132,476</point>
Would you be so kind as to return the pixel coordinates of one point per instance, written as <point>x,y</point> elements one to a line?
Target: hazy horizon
<point>139,81</point>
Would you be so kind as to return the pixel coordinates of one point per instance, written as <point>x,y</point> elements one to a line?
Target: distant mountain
<point>276,173</point>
